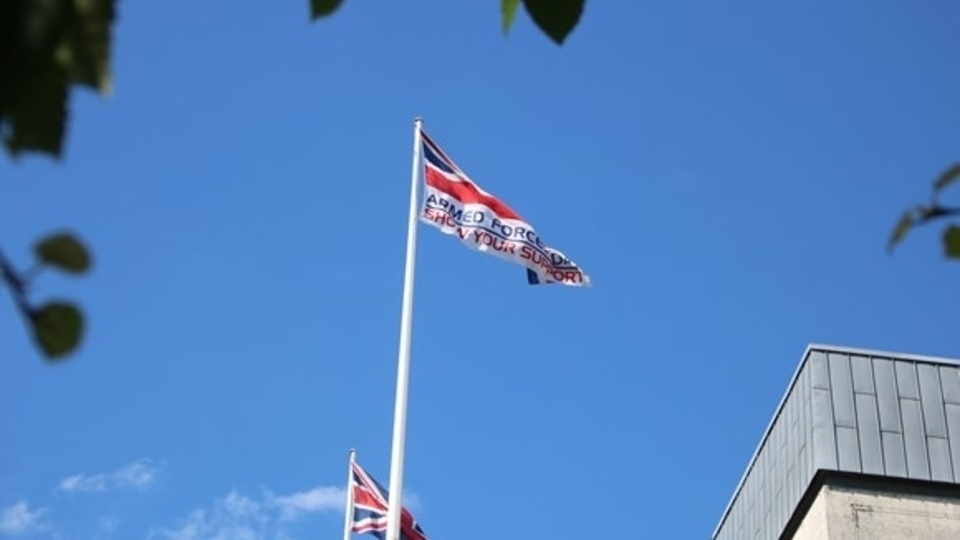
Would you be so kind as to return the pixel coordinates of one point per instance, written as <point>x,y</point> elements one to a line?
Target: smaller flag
<point>370,509</point>
<point>457,206</point>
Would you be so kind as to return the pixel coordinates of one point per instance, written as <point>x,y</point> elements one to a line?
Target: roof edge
<point>822,347</point>
<point>859,351</point>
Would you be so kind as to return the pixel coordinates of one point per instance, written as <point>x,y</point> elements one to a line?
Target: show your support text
<point>511,241</point>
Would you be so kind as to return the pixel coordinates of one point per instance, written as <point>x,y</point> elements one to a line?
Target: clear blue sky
<point>727,175</point>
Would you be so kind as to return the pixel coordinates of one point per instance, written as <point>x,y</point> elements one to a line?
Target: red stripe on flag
<point>407,529</point>
<point>467,193</point>
<point>364,498</point>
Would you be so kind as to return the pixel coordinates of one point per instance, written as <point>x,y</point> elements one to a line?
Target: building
<point>864,444</point>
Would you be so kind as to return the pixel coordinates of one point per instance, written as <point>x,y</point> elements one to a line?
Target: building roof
<point>853,411</point>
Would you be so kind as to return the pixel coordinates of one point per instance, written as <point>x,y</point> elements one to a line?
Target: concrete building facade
<point>864,444</point>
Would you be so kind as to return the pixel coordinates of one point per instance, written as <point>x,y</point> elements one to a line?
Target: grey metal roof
<point>855,411</point>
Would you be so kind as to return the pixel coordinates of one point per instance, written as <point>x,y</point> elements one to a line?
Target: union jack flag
<point>370,509</point>
<point>457,206</point>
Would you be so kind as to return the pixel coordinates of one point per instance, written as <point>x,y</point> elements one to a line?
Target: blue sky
<point>727,175</point>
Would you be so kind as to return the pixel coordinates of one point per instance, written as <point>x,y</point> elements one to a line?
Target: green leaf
<point>508,9</point>
<point>951,242</point>
<point>63,251</point>
<point>907,221</point>
<point>557,18</point>
<point>85,54</point>
<point>57,328</point>
<point>37,110</point>
<point>39,26</point>
<point>947,177</point>
<point>323,8</point>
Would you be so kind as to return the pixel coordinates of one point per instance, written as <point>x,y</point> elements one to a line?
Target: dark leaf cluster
<point>56,325</point>
<point>555,18</point>
<point>934,210</point>
<point>47,46</point>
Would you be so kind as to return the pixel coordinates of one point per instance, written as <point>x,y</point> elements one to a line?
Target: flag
<point>456,205</point>
<point>370,509</point>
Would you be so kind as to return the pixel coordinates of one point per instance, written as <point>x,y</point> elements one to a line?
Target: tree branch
<point>15,283</point>
<point>934,211</point>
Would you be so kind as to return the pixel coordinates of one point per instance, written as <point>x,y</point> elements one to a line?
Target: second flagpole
<point>403,361</point>
<point>348,518</point>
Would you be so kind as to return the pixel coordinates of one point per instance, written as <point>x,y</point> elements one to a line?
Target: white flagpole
<point>403,361</point>
<point>348,519</point>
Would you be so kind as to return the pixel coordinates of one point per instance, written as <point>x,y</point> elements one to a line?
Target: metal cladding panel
<point>907,380</point>
<point>894,460</point>
<point>862,368</point>
<point>953,426</point>
<point>848,449</point>
<point>854,411</point>
<point>868,433</point>
<point>887,403</point>
<point>914,440</point>
<point>941,469</point>
<point>824,433</point>
<point>950,383</point>
<point>931,401</point>
<point>841,390</point>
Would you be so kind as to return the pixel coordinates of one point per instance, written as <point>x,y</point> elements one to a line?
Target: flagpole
<point>403,360</point>
<point>348,518</point>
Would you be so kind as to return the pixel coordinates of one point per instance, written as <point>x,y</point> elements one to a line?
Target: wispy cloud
<point>140,474</point>
<point>236,516</point>
<point>108,524</point>
<point>411,501</point>
<point>318,499</point>
<point>82,482</point>
<point>233,517</point>
<point>18,519</point>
